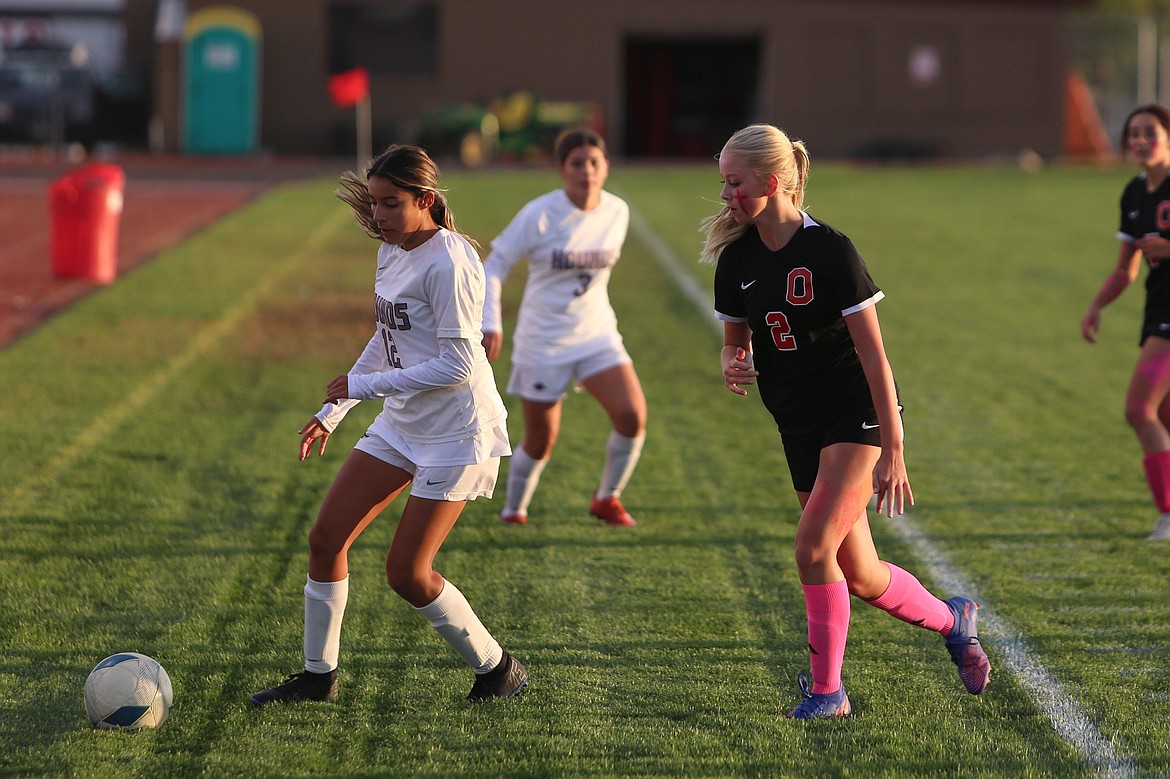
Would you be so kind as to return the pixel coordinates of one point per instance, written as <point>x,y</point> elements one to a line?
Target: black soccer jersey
<point>795,300</point>
<point>1143,213</point>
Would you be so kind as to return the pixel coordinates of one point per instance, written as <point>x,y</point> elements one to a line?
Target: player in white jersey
<point>441,431</point>
<point>566,330</point>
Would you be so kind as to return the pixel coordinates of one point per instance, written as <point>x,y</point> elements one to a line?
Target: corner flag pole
<point>365,132</point>
<point>352,88</point>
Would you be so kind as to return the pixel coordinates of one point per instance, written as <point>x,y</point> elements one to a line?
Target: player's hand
<point>314,431</point>
<point>1154,247</point>
<point>338,389</point>
<point>891,484</point>
<point>737,370</point>
<point>1090,325</point>
<point>492,343</point>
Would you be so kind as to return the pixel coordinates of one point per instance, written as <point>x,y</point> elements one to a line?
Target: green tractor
<point>514,126</point>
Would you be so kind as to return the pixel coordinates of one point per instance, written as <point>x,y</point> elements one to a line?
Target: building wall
<point>837,73</point>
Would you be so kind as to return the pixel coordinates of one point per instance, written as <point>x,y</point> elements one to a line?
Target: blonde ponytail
<point>767,151</point>
<point>721,230</point>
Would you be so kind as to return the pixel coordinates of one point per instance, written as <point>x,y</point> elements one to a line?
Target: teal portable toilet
<point>221,80</point>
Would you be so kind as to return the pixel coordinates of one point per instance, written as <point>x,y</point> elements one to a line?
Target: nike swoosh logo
<point>1134,214</point>
<point>865,426</point>
<point>745,286</point>
<point>433,483</point>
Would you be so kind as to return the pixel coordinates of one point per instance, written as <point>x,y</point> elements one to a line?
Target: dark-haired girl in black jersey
<point>1145,225</point>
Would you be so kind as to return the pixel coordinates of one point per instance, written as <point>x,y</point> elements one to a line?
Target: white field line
<point>105,424</point>
<point>1068,719</point>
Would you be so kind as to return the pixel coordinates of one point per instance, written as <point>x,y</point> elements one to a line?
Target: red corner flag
<point>349,87</point>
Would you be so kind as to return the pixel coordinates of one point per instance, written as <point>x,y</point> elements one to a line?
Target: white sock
<point>450,614</point>
<point>621,458</point>
<point>523,476</point>
<point>324,608</point>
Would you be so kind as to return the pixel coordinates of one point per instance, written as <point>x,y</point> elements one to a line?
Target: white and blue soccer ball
<point>128,691</point>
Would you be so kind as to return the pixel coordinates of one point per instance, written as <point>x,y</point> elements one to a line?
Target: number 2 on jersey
<point>800,293</point>
<point>781,331</point>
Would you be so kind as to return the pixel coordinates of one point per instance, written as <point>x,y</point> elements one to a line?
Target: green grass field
<point>151,501</point>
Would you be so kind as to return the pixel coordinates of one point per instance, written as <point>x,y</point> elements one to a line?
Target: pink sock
<point>828,628</point>
<point>1157,465</point>
<point>907,600</point>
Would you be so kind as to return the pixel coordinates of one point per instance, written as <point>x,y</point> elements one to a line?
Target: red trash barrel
<point>85,209</point>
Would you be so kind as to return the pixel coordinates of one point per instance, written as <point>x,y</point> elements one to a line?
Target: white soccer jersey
<point>571,252</point>
<point>433,291</point>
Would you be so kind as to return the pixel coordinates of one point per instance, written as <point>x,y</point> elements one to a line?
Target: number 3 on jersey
<point>582,287</point>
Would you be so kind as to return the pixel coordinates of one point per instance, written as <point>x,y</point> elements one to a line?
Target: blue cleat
<point>963,644</point>
<point>819,705</point>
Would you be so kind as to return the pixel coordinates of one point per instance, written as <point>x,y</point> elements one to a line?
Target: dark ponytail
<point>408,168</point>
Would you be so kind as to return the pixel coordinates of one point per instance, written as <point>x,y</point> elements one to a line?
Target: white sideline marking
<point>105,424</point>
<point>1067,717</point>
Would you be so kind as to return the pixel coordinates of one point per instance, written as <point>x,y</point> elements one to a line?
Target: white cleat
<point>1161,530</point>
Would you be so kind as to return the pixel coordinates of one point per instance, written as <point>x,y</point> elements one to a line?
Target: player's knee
<point>630,422</point>
<point>539,447</point>
<point>401,582</point>
<point>409,584</point>
<point>812,554</point>
<point>1138,415</point>
<point>323,542</point>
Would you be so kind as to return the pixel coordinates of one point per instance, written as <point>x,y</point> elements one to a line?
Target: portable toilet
<point>221,81</point>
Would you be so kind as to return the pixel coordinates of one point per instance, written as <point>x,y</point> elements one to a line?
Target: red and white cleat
<point>612,512</point>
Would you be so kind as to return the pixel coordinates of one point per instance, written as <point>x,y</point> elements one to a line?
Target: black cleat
<point>506,680</point>
<point>303,686</point>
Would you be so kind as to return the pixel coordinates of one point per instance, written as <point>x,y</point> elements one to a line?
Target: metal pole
<point>365,132</point>
<point>1164,70</point>
<point>56,137</point>
<point>1147,59</point>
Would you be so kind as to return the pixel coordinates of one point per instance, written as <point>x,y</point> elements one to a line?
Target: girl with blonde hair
<point>799,315</point>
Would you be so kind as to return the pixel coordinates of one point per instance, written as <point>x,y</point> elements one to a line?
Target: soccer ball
<point>128,691</point>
